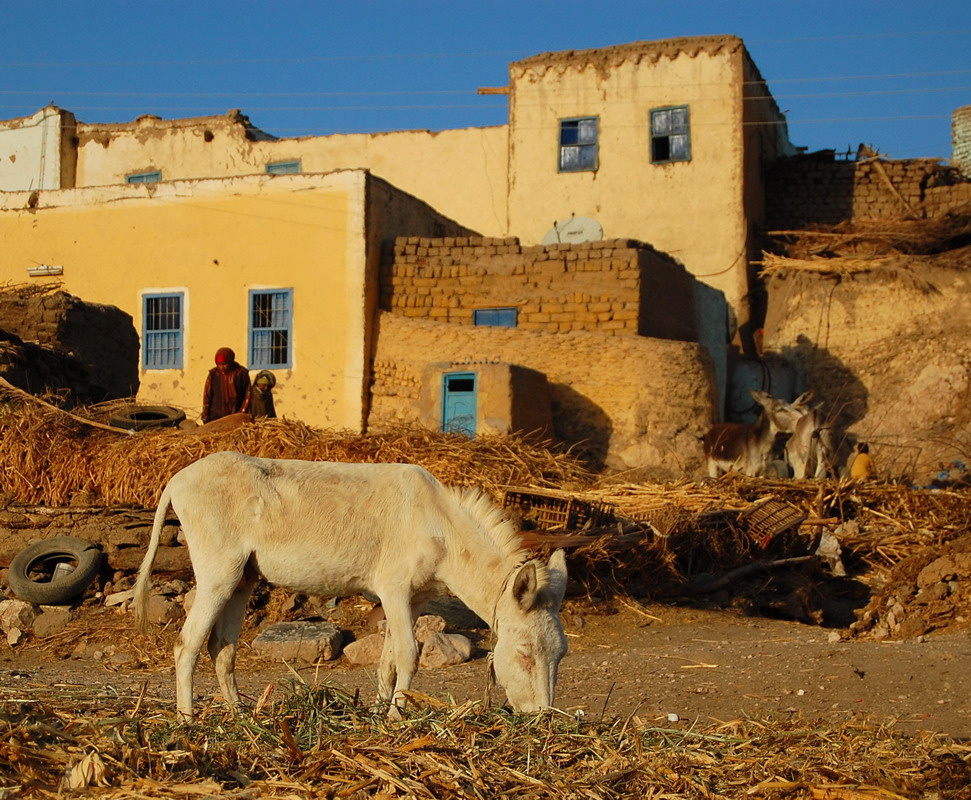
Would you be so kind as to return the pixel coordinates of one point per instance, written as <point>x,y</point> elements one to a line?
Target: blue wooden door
<point>459,403</point>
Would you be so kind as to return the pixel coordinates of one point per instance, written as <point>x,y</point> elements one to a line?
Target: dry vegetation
<point>319,742</point>
<point>323,743</point>
<point>50,458</point>
<point>896,250</point>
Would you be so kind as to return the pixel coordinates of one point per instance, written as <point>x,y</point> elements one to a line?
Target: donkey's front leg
<point>399,657</point>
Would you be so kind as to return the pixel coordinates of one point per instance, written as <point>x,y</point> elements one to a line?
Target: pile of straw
<point>320,742</point>
<point>889,522</point>
<point>896,267</point>
<point>48,457</point>
<point>895,249</point>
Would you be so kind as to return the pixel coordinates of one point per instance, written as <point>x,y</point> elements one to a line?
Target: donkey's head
<point>530,640</point>
<point>782,416</point>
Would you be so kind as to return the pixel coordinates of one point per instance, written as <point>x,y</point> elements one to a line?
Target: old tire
<point>33,576</point>
<point>137,417</point>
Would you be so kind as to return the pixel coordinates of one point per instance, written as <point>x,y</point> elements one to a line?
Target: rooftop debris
<point>880,237</point>
<point>898,248</point>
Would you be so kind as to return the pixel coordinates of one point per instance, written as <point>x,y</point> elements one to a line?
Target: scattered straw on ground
<point>321,742</point>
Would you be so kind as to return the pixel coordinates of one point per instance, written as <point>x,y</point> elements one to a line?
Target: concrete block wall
<point>614,287</point>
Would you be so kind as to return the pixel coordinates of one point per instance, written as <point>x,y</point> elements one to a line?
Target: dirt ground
<point>667,665</point>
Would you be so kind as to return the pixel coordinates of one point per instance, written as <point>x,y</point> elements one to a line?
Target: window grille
<point>271,328</point>
<point>162,334</point>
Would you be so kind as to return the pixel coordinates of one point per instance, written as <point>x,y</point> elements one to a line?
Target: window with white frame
<point>162,330</point>
<point>283,168</point>
<point>270,328</point>
<point>670,135</point>
<point>578,144</point>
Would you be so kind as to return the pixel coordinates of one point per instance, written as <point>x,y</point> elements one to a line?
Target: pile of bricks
<point>816,190</point>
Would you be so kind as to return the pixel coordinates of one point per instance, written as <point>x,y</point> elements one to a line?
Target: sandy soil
<point>654,662</point>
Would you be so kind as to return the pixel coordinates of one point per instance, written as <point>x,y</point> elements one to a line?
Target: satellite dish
<point>574,230</point>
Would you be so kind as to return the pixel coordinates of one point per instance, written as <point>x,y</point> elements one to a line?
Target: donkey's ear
<point>525,588</point>
<point>557,575</point>
<point>803,399</point>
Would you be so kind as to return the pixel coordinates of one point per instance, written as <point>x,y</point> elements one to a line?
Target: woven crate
<point>770,518</point>
<point>552,511</point>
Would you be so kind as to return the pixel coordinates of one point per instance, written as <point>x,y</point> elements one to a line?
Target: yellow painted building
<point>283,270</point>
<point>657,141</point>
<point>663,142</point>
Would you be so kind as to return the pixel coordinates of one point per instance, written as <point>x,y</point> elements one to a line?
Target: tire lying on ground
<point>35,575</point>
<point>138,417</point>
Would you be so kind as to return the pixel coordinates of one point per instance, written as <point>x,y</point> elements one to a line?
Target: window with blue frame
<point>670,135</point>
<point>283,168</point>
<point>271,328</point>
<point>162,330</point>
<point>144,177</point>
<point>578,144</point>
<point>497,317</point>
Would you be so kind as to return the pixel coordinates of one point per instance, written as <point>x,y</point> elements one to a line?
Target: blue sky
<point>887,74</point>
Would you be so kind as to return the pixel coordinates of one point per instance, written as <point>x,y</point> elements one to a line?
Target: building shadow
<point>581,425</point>
<point>844,398</point>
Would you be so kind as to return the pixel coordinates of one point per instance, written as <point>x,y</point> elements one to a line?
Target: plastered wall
<point>961,139</point>
<point>696,209</point>
<point>215,241</point>
<point>629,402</point>
<point>428,165</point>
<point>37,152</point>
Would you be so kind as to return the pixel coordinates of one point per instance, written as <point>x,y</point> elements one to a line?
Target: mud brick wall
<point>818,190</point>
<point>100,338</point>
<point>615,287</point>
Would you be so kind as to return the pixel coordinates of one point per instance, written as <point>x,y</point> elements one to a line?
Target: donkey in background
<point>746,448</point>
<point>810,450</point>
<point>334,529</point>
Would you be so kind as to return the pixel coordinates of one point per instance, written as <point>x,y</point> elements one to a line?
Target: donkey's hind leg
<point>224,636</point>
<point>211,598</point>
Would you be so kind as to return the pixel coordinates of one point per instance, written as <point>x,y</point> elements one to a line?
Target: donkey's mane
<point>492,519</point>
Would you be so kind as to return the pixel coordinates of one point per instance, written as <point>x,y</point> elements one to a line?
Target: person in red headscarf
<point>227,387</point>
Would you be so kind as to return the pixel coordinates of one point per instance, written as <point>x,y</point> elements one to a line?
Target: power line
<point>428,106</point>
<point>515,54</point>
<point>421,92</point>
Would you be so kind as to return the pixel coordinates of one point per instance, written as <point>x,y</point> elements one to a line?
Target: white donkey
<point>745,448</point>
<point>810,449</point>
<point>330,529</point>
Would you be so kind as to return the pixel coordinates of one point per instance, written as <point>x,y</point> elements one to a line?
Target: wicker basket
<point>554,511</point>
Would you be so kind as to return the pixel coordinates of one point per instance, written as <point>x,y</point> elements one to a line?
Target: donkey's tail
<point>143,583</point>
